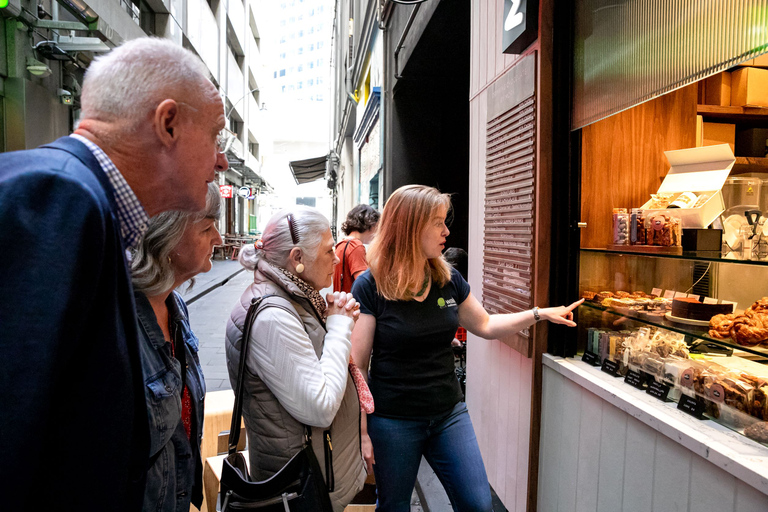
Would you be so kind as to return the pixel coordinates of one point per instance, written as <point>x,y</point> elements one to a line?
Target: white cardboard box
<point>701,171</point>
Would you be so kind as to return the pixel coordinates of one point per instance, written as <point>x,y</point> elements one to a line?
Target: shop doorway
<point>429,114</point>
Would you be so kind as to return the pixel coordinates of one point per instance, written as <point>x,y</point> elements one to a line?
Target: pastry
<point>588,295</point>
<point>760,306</point>
<point>601,296</point>
<point>720,326</point>
<point>750,329</point>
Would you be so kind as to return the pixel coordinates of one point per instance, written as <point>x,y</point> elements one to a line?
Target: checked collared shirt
<point>131,214</point>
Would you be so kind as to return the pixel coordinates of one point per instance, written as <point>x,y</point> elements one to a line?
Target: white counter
<point>642,464</point>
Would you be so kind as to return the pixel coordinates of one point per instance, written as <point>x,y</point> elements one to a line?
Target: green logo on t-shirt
<point>441,302</point>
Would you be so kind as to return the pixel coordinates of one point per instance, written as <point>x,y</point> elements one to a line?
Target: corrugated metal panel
<point>509,214</point>
<point>629,51</point>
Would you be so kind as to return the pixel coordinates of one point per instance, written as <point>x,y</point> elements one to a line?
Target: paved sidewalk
<point>210,304</point>
<point>221,271</point>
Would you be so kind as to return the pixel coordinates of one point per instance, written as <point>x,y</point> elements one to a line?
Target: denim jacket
<point>174,477</point>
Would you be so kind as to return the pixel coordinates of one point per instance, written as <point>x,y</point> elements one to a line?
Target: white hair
<point>129,82</point>
<point>151,267</point>
<point>309,226</point>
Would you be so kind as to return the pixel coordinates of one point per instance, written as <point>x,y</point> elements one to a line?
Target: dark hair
<point>458,259</point>
<point>361,218</point>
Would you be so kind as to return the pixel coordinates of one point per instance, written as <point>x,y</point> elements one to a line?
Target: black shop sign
<point>520,25</point>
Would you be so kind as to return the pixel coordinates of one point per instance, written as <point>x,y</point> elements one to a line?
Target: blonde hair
<point>396,258</point>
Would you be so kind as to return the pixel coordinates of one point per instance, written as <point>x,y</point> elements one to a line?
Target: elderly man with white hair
<point>73,420</point>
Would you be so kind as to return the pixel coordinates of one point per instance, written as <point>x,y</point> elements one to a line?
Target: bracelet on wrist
<point>536,315</point>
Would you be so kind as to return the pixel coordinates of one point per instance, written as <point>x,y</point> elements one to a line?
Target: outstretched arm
<point>476,320</point>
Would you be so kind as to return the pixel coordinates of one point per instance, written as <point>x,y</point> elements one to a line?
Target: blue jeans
<point>450,447</point>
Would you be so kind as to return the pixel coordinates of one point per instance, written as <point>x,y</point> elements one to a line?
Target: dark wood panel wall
<point>623,158</point>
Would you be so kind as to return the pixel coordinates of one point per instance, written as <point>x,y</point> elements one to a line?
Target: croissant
<point>720,326</point>
<point>750,329</point>
<point>761,306</point>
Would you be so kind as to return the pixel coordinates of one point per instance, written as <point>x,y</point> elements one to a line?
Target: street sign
<point>520,25</point>
<point>226,191</point>
<point>244,191</point>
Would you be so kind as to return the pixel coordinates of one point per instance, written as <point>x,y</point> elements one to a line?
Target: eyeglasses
<point>292,229</point>
<point>223,140</point>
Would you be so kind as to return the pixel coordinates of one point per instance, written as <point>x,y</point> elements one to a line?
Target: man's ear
<point>167,121</point>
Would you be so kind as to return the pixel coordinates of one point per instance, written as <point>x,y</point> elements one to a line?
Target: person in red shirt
<point>360,228</point>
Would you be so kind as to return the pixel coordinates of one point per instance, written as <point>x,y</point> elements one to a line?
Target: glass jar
<point>620,226</point>
<point>637,227</point>
<point>663,228</point>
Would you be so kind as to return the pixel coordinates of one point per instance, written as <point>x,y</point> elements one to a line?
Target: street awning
<point>311,169</point>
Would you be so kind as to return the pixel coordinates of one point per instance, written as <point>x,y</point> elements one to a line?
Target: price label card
<point>610,367</point>
<point>669,294</point>
<point>658,390</point>
<point>692,406</point>
<point>735,305</point>
<point>590,358</point>
<point>680,294</point>
<point>656,292</point>
<point>693,296</point>
<point>709,300</point>
<point>635,380</point>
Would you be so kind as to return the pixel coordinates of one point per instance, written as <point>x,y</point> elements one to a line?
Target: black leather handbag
<point>297,487</point>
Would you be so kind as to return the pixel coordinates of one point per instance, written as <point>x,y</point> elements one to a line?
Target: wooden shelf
<point>733,113</point>
<point>752,160</point>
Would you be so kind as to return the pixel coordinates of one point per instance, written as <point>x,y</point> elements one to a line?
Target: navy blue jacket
<point>73,424</point>
<point>175,476</point>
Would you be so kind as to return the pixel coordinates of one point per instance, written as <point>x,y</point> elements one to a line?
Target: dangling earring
<point>169,260</point>
<point>299,268</point>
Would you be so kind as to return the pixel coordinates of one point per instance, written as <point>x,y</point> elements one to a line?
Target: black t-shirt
<point>412,369</point>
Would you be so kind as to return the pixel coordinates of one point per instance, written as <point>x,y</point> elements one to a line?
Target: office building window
<point>300,85</point>
<point>282,72</point>
<point>301,68</point>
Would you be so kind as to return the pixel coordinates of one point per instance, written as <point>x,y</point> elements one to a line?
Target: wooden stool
<point>218,417</point>
<point>211,479</point>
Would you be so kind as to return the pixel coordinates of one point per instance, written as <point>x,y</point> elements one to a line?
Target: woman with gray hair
<point>176,247</point>
<point>298,359</point>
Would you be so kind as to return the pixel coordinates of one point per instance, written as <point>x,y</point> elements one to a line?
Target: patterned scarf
<point>313,295</point>
<point>363,392</point>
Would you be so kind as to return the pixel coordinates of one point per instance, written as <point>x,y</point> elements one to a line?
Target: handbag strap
<point>257,304</point>
<point>343,265</point>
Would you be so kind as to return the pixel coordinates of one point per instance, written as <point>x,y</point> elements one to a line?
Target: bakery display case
<point>691,330</point>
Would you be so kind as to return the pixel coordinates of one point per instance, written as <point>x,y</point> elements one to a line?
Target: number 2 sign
<point>520,25</point>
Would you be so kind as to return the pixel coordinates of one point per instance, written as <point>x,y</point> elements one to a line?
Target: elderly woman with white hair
<point>177,247</point>
<point>298,361</point>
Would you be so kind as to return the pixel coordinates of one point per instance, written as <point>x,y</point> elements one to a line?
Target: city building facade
<point>48,46</point>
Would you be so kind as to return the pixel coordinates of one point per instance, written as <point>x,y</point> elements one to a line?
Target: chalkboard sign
<point>610,367</point>
<point>658,390</point>
<point>591,358</point>
<point>692,406</point>
<point>635,380</point>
